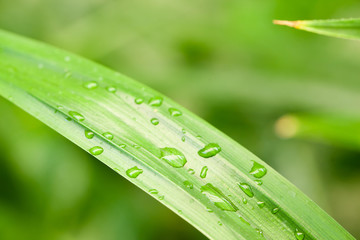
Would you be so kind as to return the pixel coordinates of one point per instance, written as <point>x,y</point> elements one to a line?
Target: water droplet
<point>258,182</point>
<point>91,85</point>
<point>191,171</point>
<point>111,89</point>
<point>260,204</point>
<point>134,172</point>
<point>209,150</point>
<point>258,170</point>
<point>188,184</point>
<point>220,223</point>
<point>183,131</point>
<point>218,198</point>
<point>156,101</point>
<point>259,231</point>
<point>153,191</point>
<point>139,100</point>
<point>108,135</point>
<point>209,210</point>
<point>89,134</point>
<point>77,116</point>
<point>173,157</point>
<point>204,171</point>
<point>154,121</point>
<point>246,189</point>
<point>122,145</point>
<point>68,118</point>
<point>244,220</point>
<point>96,150</point>
<point>175,112</point>
<point>244,201</point>
<point>275,210</point>
<point>183,139</point>
<point>136,146</point>
<point>161,197</point>
<point>299,235</point>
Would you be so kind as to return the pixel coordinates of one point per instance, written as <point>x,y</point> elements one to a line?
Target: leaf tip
<point>294,24</point>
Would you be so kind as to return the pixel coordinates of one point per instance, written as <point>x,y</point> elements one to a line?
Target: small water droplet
<point>175,112</point>
<point>156,101</point>
<point>111,89</point>
<point>122,145</point>
<point>209,150</point>
<point>244,201</point>
<point>173,157</point>
<point>134,172</point>
<point>218,198</point>
<point>191,171</point>
<point>154,121</point>
<point>136,146</point>
<point>246,189</point>
<point>108,135</point>
<point>244,220</point>
<point>258,182</point>
<point>220,223</point>
<point>96,150</point>
<point>258,170</point>
<point>260,204</point>
<point>153,191</point>
<point>89,134</point>
<point>183,139</point>
<point>188,184</point>
<point>204,171</point>
<point>299,235</point>
<point>183,131</point>
<point>161,197</point>
<point>77,116</point>
<point>91,85</point>
<point>259,231</point>
<point>139,100</point>
<point>68,118</point>
<point>209,210</point>
<point>275,210</point>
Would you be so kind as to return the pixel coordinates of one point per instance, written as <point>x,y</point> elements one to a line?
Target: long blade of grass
<point>191,167</point>
<point>341,28</point>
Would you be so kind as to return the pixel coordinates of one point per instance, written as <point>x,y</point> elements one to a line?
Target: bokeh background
<point>291,97</point>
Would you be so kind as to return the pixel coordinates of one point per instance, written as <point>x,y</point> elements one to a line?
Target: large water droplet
<point>175,112</point>
<point>188,184</point>
<point>299,235</point>
<point>89,134</point>
<point>139,100</point>
<point>156,101</point>
<point>218,198</point>
<point>203,172</point>
<point>111,89</point>
<point>258,170</point>
<point>154,121</point>
<point>77,116</point>
<point>134,172</point>
<point>209,150</point>
<point>260,204</point>
<point>108,135</point>
<point>173,157</point>
<point>246,189</point>
<point>96,150</point>
<point>91,85</point>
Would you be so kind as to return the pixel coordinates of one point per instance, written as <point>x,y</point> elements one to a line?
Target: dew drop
<point>175,112</point>
<point>122,145</point>
<point>91,85</point>
<point>173,157</point>
<point>139,100</point>
<point>258,182</point>
<point>89,134</point>
<point>96,150</point>
<point>246,189</point>
<point>204,171</point>
<point>299,235</point>
<point>209,150</point>
<point>220,223</point>
<point>154,121</point>
<point>191,171</point>
<point>134,172</point>
<point>161,197</point>
<point>156,101</point>
<point>244,201</point>
<point>183,131</point>
<point>108,135</point>
<point>183,139</point>
<point>188,184</point>
<point>260,204</point>
<point>258,170</point>
<point>153,191</point>
<point>111,89</point>
<point>259,231</point>
<point>275,210</point>
<point>77,116</point>
<point>218,198</point>
<point>209,210</point>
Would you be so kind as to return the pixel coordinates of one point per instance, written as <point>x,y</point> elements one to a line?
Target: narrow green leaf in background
<point>198,172</point>
<point>342,28</point>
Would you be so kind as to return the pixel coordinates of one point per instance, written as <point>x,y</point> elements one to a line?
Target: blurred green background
<point>222,59</point>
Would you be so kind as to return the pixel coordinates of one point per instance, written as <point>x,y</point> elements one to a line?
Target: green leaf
<point>341,28</point>
<point>191,167</point>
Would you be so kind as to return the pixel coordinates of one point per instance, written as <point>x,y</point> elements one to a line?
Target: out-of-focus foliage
<point>225,61</point>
